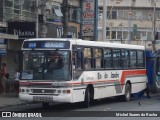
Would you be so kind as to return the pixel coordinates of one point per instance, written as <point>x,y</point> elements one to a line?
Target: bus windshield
<point>46,65</point>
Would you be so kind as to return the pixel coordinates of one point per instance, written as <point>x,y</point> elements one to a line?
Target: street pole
<point>65,18</point>
<point>154,28</point>
<point>43,27</point>
<point>37,19</point>
<point>129,27</point>
<point>104,19</point>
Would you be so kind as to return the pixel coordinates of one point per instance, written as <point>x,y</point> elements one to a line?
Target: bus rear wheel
<point>127,95</point>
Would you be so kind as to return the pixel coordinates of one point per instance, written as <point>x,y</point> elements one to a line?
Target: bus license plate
<point>43,98</point>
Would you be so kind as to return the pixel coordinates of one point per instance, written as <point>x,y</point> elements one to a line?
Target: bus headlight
<point>22,90</point>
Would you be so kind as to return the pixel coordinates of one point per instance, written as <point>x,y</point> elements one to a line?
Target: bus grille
<point>43,91</point>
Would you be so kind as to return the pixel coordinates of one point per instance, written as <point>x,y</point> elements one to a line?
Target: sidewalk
<point>10,99</point>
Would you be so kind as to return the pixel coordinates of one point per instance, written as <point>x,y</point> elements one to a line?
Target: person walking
<point>3,78</point>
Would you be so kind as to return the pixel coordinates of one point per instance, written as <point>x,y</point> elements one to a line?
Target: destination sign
<point>47,44</point>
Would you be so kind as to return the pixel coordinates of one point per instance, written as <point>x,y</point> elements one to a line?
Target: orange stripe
<point>129,73</point>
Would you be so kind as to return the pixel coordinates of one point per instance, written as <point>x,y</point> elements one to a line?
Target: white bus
<point>82,71</point>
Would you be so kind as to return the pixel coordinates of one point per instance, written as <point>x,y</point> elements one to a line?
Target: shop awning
<point>8,36</point>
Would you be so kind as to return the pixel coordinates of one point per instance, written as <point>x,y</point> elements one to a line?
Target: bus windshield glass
<point>46,65</point>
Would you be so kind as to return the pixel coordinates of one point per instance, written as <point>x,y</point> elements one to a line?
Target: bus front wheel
<point>87,98</point>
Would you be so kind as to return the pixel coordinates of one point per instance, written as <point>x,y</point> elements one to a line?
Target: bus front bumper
<point>46,98</point>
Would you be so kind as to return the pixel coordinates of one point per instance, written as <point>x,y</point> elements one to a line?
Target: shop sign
<point>22,29</point>
<point>2,41</point>
<point>2,52</point>
<point>88,13</point>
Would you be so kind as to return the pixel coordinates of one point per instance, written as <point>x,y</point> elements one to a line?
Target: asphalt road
<point>109,108</point>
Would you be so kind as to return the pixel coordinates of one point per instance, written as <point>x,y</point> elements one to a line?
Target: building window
<point>113,34</point>
<point>114,14</point>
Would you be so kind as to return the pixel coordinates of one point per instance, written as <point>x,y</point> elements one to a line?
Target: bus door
<point>77,62</point>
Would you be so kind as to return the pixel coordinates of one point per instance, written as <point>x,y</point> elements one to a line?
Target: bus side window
<point>108,59</point>
<point>87,58</point>
<point>97,52</point>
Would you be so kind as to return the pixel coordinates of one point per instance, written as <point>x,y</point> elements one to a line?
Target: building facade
<point>23,19</point>
<point>134,18</point>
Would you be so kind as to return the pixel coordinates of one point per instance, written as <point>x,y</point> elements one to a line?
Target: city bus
<point>85,70</point>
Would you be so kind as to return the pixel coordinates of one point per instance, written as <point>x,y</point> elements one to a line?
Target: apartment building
<point>133,18</point>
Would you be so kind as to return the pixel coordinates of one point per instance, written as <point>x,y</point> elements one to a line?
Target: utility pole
<point>37,27</point>
<point>154,28</point>
<point>129,26</point>
<point>43,26</point>
<point>104,19</point>
<point>65,11</point>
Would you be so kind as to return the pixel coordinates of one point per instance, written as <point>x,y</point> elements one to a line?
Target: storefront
<point>23,30</point>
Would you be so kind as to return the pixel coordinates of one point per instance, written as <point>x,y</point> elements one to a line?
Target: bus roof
<point>75,41</point>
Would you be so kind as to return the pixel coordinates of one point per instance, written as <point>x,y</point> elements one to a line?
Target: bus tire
<point>45,105</point>
<point>87,98</point>
<point>127,94</point>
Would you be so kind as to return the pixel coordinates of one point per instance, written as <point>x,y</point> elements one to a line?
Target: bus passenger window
<point>125,59</point>
<point>140,55</point>
<point>108,61</point>
<point>98,58</point>
<point>117,58</point>
<point>133,59</point>
<point>87,58</point>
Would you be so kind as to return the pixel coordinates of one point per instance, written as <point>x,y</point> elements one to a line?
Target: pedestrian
<point>3,78</point>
